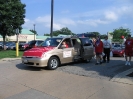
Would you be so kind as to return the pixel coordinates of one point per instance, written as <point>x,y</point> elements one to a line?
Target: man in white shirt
<point>107,48</point>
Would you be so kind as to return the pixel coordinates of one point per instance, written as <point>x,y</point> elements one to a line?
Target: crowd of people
<point>103,48</point>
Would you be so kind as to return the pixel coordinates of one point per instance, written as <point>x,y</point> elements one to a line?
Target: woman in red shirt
<point>98,50</point>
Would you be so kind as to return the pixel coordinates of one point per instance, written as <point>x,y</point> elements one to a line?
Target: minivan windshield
<point>54,42</point>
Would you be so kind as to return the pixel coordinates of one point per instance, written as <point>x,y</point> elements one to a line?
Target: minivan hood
<point>37,52</point>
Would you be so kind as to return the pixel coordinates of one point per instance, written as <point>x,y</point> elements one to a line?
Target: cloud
<point>67,21</point>
<point>56,26</point>
<point>110,15</point>
<point>28,24</point>
<point>44,19</point>
<point>92,22</point>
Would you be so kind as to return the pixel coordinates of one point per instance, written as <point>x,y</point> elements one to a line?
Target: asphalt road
<point>104,71</point>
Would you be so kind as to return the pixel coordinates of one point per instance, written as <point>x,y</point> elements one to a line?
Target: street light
<point>34,30</point>
<point>51,29</point>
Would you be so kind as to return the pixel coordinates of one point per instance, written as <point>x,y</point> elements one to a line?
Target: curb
<point>122,78</point>
<point>10,59</point>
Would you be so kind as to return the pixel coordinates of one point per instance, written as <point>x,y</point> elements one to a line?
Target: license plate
<point>25,61</point>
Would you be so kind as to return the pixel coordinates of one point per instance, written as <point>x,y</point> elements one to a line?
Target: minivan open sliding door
<point>87,48</point>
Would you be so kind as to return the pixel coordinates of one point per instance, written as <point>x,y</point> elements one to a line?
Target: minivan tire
<point>53,63</point>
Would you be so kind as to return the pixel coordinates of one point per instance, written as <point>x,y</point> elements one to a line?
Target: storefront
<point>24,36</point>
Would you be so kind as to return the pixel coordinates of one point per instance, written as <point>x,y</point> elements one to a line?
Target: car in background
<point>23,46</point>
<point>117,46</point>
<point>1,45</point>
<point>118,51</point>
<point>11,46</point>
<point>33,44</point>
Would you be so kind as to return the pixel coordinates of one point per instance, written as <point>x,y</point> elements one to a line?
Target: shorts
<point>98,54</point>
<point>129,52</point>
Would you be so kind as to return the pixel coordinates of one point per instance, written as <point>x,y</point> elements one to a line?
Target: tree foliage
<point>103,36</point>
<point>117,33</point>
<point>63,31</point>
<point>34,31</point>
<point>12,14</point>
<point>95,33</point>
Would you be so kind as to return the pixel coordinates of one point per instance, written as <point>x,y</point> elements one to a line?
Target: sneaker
<point>129,64</point>
<point>104,61</point>
<point>126,63</point>
<point>96,63</point>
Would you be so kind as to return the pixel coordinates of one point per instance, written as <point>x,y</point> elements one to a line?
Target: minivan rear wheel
<point>53,63</point>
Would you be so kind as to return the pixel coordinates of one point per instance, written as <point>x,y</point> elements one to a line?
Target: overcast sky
<point>80,16</point>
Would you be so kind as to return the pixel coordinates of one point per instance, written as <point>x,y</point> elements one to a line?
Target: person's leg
<point>104,57</point>
<point>126,57</point>
<point>130,57</point>
<point>97,58</point>
<point>101,58</point>
<point>108,55</point>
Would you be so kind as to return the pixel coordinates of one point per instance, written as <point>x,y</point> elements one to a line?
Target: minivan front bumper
<point>35,62</point>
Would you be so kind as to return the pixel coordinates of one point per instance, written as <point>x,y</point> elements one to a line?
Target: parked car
<point>52,53</point>
<point>23,46</point>
<point>33,44</point>
<point>118,52</point>
<point>1,45</point>
<point>11,46</point>
<point>117,46</point>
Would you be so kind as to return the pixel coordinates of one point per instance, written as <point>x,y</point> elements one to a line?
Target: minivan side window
<point>68,42</point>
<point>86,42</point>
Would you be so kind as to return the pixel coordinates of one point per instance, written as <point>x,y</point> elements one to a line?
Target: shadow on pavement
<point>107,70</point>
<point>30,68</point>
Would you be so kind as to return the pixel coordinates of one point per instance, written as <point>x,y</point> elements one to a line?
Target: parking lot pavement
<point>21,82</point>
<point>114,71</point>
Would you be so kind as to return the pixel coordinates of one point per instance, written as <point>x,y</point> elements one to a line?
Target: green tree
<point>117,33</point>
<point>35,32</point>
<point>102,36</point>
<point>95,33</point>
<point>46,34</point>
<point>56,33</point>
<point>64,31</point>
<point>11,17</point>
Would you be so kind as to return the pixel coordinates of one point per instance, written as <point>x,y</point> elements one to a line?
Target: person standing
<point>128,50</point>
<point>107,48</point>
<point>98,50</point>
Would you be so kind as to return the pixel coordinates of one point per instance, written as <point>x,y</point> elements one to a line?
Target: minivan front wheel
<point>53,63</point>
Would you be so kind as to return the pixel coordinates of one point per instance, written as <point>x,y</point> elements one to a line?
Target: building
<point>24,36</point>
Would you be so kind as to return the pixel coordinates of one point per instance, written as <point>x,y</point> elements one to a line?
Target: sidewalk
<point>123,78</point>
<point>61,85</point>
<point>10,59</point>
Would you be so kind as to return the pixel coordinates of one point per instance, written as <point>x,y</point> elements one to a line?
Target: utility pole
<point>34,30</point>
<point>51,29</point>
<point>17,47</point>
